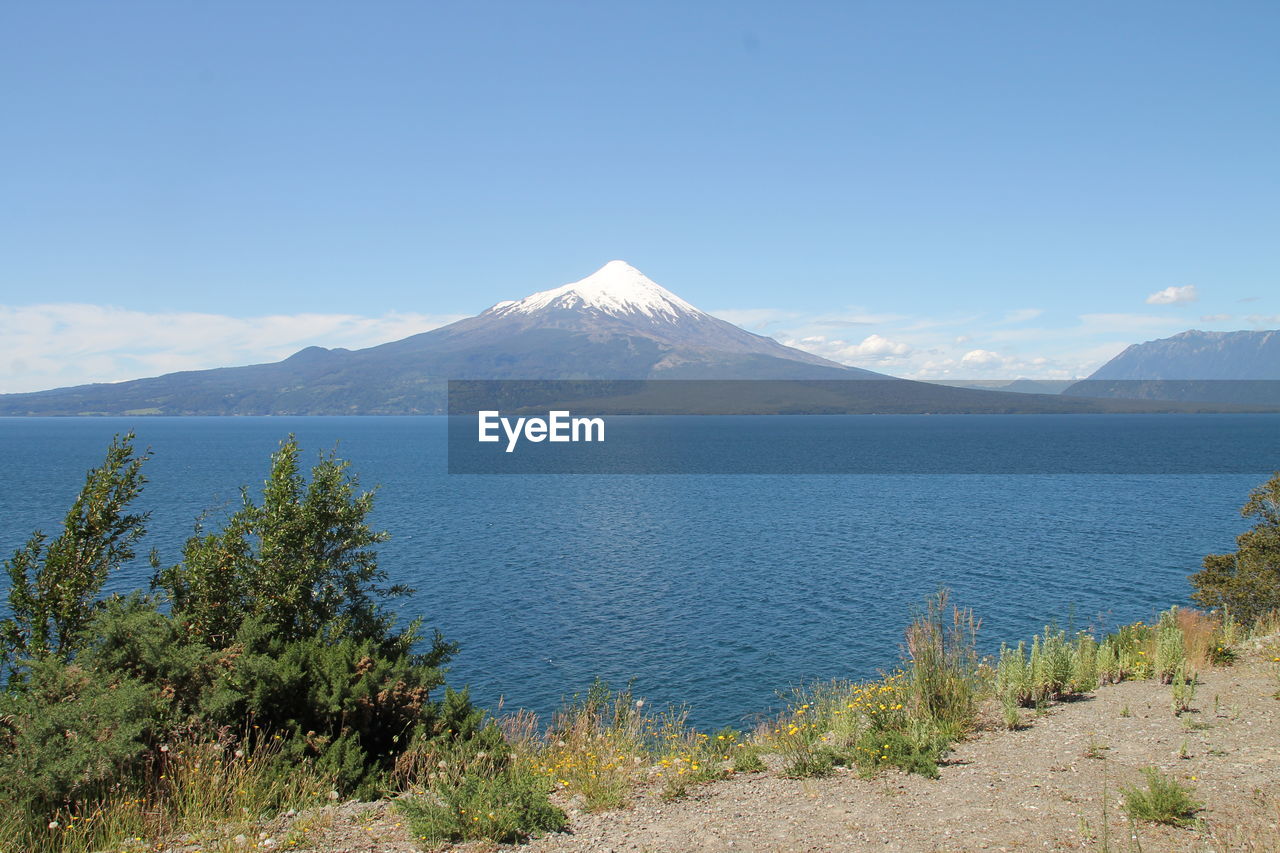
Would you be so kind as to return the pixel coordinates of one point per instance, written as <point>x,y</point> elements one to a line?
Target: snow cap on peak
<point>616,288</point>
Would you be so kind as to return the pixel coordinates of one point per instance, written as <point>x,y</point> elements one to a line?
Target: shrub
<point>508,806</point>
<point>943,664</point>
<point>349,705</point>
<point>467,783</point>
<point>1013,677</point>
<point>804,752</point>
<point>1108,667</point>
<point>916,749</point>
<point>746,759</point>
<point>1163,801</point>
<point>1084,664</point>
<point>70,736</point>
<point>1056,668</point>
<point>353,705</point>
<point>1184,689</point>
<point>277,646</point>
<point>1050,666</point>
<point>1247,582</point>
<point>301,563</point>
<point>595,746</point>
<point>1133,646</point>
<point>1170,647</point>
<point>54,584</point>
<point>129,636</point>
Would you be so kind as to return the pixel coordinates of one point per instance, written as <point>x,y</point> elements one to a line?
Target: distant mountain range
<point>1214,367</point>
<point>615,324</point>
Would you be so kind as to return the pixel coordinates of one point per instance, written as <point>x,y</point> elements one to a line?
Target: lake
<point>716,590</point>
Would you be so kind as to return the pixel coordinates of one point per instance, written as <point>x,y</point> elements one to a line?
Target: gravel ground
<point>1053,785</point>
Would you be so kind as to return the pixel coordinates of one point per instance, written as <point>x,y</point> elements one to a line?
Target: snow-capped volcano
<point>616,288</point>
<point>614,324</point>
<point>619,306</point>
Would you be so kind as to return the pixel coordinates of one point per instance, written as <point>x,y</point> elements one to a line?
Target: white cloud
<point>1263,319</point>
<point>1215,318</point>
<point>1174,295</point>
<point>997,345</point>
<point>873,349</point>
<point>874,345</point>
<point>53,345</point>
<point>981,358</point>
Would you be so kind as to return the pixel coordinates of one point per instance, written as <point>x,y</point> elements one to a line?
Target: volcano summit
<point>614,324</point>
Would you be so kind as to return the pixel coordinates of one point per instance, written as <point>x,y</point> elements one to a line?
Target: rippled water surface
<point>715,590</point>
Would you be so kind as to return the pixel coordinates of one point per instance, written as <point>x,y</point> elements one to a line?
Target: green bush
<point>1013,677</point>
<point>747,760</point>
<point>277,639</point>
<point>1163,801</point>
<point>53,585</point>
<point>1108,666</point>
<point>301,563</point>
<point>353,705</point>
<point>918,749</point>
<point>1247,583</point>
<point>1084,664</point>
<point>1055,669</point>
<point>69,736</point>
<point>469,784</point>
<point>506,807</point>
<point>1170,648</point>
<point>130,637</point>
<point>943,666</point>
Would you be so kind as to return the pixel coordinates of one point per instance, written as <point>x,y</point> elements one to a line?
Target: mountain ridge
<point>1219,367</point>
<point>614,324</point>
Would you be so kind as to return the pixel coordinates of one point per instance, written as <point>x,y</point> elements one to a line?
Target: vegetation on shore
<point>264,673</point>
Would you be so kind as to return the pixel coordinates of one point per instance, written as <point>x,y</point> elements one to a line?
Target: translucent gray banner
<point>842,427</point>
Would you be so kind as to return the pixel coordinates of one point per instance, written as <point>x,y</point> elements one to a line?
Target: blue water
<point>715,590</point>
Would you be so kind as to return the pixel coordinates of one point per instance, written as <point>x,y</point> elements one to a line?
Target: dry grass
<point>195,788</point>
<point>1202,636</point>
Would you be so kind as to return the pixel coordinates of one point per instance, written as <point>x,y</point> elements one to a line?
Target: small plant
<point>1163,801</point>
<point>1009,709</point>
<point>1084,664</point>
<point>506,807</point>
<point>1223,655</point>
<point>597,744</point>
<point>917,750</point>
<point>746,759</point>
<point>1056,668</point>
<point>1125,712</point>
<point>1184,690</point>
<point>1095,749</point>
<point>1183,753</point>
<point>1170,647</point>
<point>1108,664</point>
<point>1230,630</point>
<point>943,666</point>
<point>803,751</point>
<point>1013,677</point>
<point>674,788</point>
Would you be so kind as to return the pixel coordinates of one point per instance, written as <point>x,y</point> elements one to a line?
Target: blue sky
<point>978,189</point>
